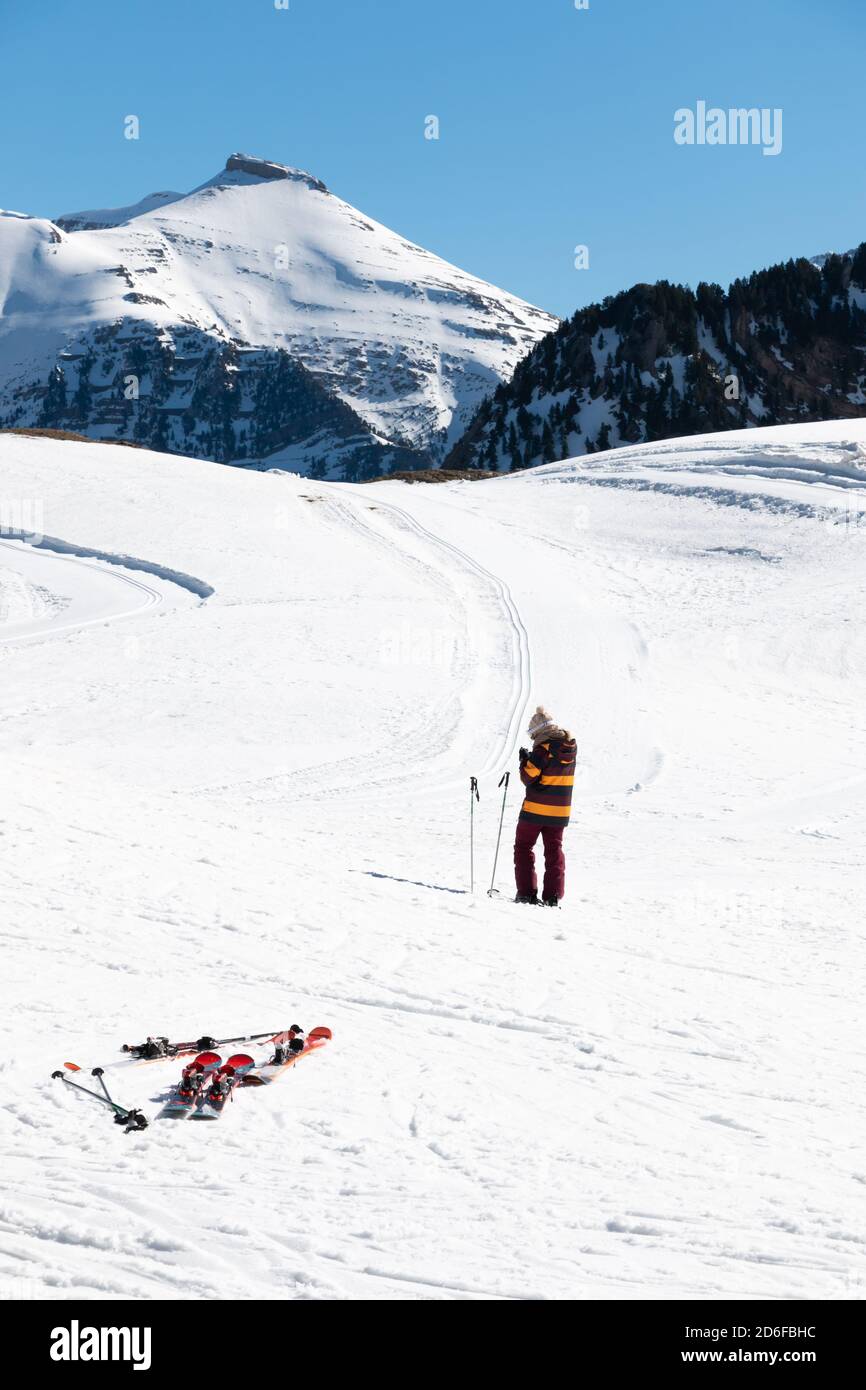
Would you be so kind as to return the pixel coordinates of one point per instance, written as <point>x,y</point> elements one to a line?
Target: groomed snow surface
<point>240,810</point>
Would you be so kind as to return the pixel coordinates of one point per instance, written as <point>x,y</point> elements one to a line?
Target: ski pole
<point>503,781</point>
<point>473,797</point>
<point>97,1072</point>
<point>247,1037</point>
<point>156,1047</point>
<point>118,1109</point>
<point>133,1119</point>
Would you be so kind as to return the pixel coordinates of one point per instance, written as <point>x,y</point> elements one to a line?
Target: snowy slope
<point>261,257</point>
<point>250,809</point>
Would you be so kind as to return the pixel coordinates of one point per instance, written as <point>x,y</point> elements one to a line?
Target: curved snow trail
<point>500,754</point>
<point>195,586</point>
<point>476,678</point>
<point>523,657</point>
<point>89,590</point>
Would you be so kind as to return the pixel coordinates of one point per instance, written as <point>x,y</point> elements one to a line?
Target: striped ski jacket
<point>548,775</point>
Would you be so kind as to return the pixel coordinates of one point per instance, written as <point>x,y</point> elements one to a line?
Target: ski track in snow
<point>245,818</point>
<point>102,588</point>
<point>503,747</point>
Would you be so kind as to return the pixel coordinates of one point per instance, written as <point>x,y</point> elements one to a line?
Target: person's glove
<point>524,755</point>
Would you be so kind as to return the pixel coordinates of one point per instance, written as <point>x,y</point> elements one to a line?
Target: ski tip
<point>240,1059</point>
<point>71,1066</point>
<point>320,1033</point>
<point>206,1059</point>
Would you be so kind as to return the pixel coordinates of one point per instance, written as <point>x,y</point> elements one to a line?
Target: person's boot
<point>550,902</point>
<point>528,898</point>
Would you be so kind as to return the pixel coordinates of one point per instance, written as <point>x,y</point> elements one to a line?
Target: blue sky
<point>556,125</point>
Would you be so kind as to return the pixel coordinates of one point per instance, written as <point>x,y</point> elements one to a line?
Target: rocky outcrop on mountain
<point>267,169</point>
<point>186,394</point>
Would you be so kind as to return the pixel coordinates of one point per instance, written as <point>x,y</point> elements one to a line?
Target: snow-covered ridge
<point>199,587</point>
<point>97,218</point>
<point>830,454</point>
<point>821,260</point>
<point>240,169</point>
<point>181,292</point>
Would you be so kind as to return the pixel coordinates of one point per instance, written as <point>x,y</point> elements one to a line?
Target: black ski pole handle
<point>121,1114</point>
<point>95,1094</point>
<point>98,1073</point>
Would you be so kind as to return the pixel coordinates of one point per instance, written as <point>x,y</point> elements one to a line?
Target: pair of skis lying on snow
<point>207,1083</point>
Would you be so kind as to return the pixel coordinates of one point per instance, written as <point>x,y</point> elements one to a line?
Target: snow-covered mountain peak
<point>241,170</point>
<point>202,296</point>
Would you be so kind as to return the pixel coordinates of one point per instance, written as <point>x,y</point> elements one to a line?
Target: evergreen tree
<point>54,399</point>
<point>548,448</point>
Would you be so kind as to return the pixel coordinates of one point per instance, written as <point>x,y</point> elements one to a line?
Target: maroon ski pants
<point>554,859</point>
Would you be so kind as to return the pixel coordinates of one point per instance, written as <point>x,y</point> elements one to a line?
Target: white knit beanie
<point>542,725</point>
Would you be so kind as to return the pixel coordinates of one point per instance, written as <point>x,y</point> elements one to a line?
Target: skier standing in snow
<point>547,772</point>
